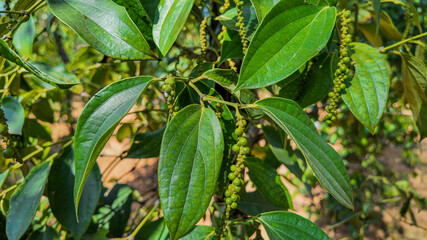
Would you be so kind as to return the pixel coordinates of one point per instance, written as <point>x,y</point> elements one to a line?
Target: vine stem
<point>214,99</point>
<point>13,12</point>
<point>142,223</point>
<point>383,50</point>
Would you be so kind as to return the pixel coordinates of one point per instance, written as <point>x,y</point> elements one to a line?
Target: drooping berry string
<point>236,177</point>
<point>169,91</point>
<point>203,41</point>
<point>241,25</point>
<point>10,151</point>
<point>341,73</point>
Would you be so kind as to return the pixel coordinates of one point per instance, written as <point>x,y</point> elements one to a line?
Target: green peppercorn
<point>227,193</point>
<point>233,168</point>
<point>235,148</point>
<point>231,176</point>
<point>222,9</point>
<point>347,14</point>
<point>233,205</point>
<point>237,182</point>
<point>238,131</point>
<point>228,201</point>
<point>242,141</point>
<point>246,150</point>
<point>8,153</point>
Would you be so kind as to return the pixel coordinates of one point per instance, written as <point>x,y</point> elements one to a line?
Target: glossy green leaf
<point>3,176</point>
<point>14,113</point>
<point>60,187</point>
<point>388,29</point>
<point>146,145</point>
<point>116,211</point>
<point>282,151</point>
<point>268,183</point>
<point>367,93</point>
<point>97,122</point>
<point>42,110</point>
<point>253,204</point>
<point>46,233</point>
<point>32,128</point>
<point>140,17</point>
<point>414,78</point>
<point>229,20</point>
<point>323,159</point>
<point>25,201</point>
<point>201,232</point>
<point>168,22</point>
<point>23,4</point>
<point>313,84</point>
<point>227,78</point>
<point>292,33</point>
<point>24,38</point>
<point>10,55</point>
<point>231,47</point>
<point>189,165</point>
<point>154,230</point>
<point>262,7</point>
<point>104,25</point>
<point>290,226</point>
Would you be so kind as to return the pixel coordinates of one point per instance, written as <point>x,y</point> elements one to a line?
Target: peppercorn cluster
<point>203,45</point>
<point>241,25</point>
<point>224,7</point>
<point>341,73</point>
<point>235,175</point>
<point>10,151</point>
<point>169,90</point>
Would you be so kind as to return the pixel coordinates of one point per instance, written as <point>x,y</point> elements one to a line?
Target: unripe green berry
<point>331,94</point>
<point>235,198</point>
<point>233,168</point>
<point>237,182</point>
<point>233,205</point>
<point>8,153</point>
<point>242,141</point>
<point>228,201</point>
<point>343,68</point>
<point>222,9</point>
<point>235,148</point>
<point>329,122</point>
<point>231,176</point>
<point>333,118</point>
<point>176,108</point>
<point>347,14</point>
<point>238,131</point>
<point>346,59</point>
<point>342,86</point>
<point>246,150</point>
<point>227,193</point>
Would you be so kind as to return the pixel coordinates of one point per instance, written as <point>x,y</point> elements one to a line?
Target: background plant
<point>225,93</point>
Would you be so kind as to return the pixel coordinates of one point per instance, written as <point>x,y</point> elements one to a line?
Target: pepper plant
<point>222,91</point>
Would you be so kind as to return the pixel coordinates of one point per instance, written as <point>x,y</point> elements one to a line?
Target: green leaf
<point>46,233</point>
<point>268,183</point>
<point>32,128</point>
<point>118,204</point>
<point>104,25</point>
<point>169,20</point>
<point>146,145</point>
<point>282,151</point>
<point>140,17</point>
<point>97,122</point>
<point>14,113</point>
<point>227,78</point>
<point>291,34</point>
<point>414,78</point>
<point>201,232</point>
<point>25,201</point>
<point>253,204</point>
<point>367,93</point>
<point>377,11</point>
<point>154,230</point>
<point>290,226</point>
<point>60,187</point>
<point>3,176</point>
<point>23,4</point>
<point>322,158</point>
<point>229,20</point>
<point>262,7</point>
<point>24,38</point>
<point>231,47</point>
<point>415,17</point>
<point>313,84</point>
<point>189,165</point>
<point>10,55</point>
